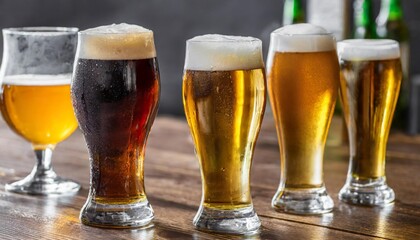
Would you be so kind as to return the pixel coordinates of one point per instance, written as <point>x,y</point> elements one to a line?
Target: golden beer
<point>370,82</point>
<point>303,90</point>
<point>224,110</point>
<point>35,100</point>
<point>303,81</point>
<point>38,108</point>
<point>369,92</point>
<point>224,102</point>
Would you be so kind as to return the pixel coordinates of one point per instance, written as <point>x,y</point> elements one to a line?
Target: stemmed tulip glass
<point>35,99</point>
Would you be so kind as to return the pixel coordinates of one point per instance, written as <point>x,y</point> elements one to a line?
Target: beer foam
<point>368,49</point>
<point>302,37</point>
<point>37,80</point>
<point>214,52</point>
<point>116,42</point>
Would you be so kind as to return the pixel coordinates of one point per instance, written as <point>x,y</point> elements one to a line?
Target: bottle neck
<point>293,12</point>
<point>391,9</point>
<point>363,13</point>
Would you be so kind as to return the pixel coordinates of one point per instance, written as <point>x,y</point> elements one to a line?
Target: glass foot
<point>373,192</point>
<point>132,215</point>
<point>47,183</point>
<point>240,221</point>
<point>308,201</point>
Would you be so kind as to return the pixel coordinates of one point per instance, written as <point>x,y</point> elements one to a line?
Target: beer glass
<point>224,102</point>
<point>115,92</point>
<point>35,99</point>
<point>303,79</point>
<point>370,82</point>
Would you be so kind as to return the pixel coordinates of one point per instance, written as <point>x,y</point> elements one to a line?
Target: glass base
<point>132,215</point>
<point>304,201</point>
<point>240,221</point>
<point>45,183</point>
<point>373,192</point>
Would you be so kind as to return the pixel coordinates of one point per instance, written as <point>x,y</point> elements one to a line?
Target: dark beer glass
<point>115,93</point>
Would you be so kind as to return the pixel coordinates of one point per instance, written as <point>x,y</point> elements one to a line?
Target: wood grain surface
<point>173,187</point>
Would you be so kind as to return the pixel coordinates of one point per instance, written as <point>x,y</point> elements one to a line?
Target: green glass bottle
<point>364,24</point>
<point>390,24</point>
<point>293,12</point>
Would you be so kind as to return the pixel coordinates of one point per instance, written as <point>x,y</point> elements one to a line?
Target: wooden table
<point>173,187</point>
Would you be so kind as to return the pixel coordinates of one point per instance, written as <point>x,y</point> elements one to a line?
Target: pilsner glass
<point>115,92</point>
<point>35,99</point>
<point>303,79</point>
<point>370,82</point>
<point>224,102</point>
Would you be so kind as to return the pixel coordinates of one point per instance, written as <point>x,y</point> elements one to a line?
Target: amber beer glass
<point>303,79</point>
<point>35,99</point>
<point>370,82</point>
<point>115,92</point>
<point>224,102</point>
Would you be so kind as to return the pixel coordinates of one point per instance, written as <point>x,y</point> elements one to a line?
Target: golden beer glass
<point>370,82</point>
<point>224,101</point>
<point>303,79</point>
<point>35,99</point>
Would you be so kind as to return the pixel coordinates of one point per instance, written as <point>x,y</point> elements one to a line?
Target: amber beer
<point>303,80</point>
<point>370,82</point>
<point>224,101</point>
<point>302,103</point>
<point>115,92</point>
<point>38,108</point>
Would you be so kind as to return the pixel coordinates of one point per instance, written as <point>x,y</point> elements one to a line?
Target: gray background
<point>173,22</point>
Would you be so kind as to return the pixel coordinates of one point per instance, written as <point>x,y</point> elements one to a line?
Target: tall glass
<point>35,99</point>
<point>303,79</point>
<point>115,92</point>
<point>224,102</point>
<point>370,82</point>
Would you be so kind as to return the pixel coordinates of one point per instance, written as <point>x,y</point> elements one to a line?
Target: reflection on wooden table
<point>173,187</point>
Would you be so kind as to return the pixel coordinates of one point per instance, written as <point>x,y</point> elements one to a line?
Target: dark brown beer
<point>116,102</point>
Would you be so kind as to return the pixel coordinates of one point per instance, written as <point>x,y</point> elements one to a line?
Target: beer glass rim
<point>83,32</point>
<point>368,43</point>
<point>240,39</point>
<point>41,30</point>
<point>303,34</point>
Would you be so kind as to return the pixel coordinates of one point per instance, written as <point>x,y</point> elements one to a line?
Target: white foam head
<point>368,49</point>
<point>37,80</point>
<point>116,42</point>
<point>214,52</point>
<point>302,37</point>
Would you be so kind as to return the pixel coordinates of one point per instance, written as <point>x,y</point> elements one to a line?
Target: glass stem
<point>43,168</point>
